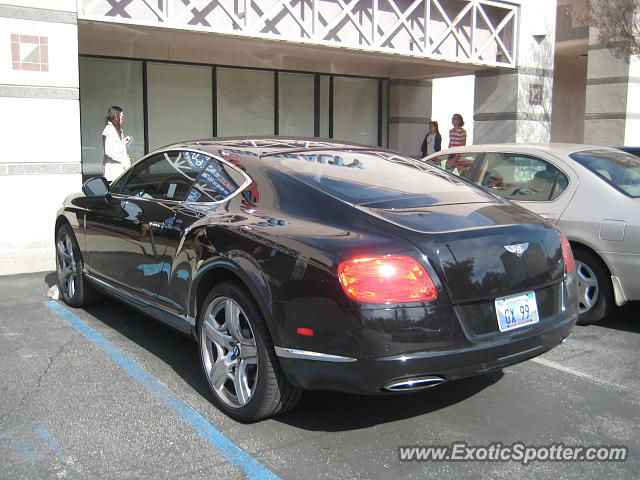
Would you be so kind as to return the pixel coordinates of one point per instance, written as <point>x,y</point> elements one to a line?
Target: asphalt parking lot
<point>105,392</point>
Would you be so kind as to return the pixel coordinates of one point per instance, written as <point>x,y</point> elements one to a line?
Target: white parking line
<point>586,376</point>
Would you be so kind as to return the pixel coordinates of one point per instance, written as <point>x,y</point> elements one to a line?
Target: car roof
<point>561,148</point>
<point>259,145</point>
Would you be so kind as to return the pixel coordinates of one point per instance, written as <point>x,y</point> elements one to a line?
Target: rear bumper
<point>368,376</point>
<point>625,274</point>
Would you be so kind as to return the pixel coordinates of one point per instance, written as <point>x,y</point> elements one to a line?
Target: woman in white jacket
<point>116,159</point>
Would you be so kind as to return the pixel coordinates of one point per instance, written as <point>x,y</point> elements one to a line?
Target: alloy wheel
<point>66,266</point>
<point>588,289</point>
<point>229,352</point>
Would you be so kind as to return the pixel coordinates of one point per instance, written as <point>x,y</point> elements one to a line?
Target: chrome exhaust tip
<point>412,383</point>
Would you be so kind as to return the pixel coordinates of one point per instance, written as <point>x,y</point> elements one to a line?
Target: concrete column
<point>569,90</point>
<point>514,105</point>
<point>409,115</point>
<point>40,125</point>
<point>612,111</point>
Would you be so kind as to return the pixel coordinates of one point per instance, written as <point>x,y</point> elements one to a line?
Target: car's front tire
<point>594,287</point>
<point>73,288</point>
<point>238,358</point>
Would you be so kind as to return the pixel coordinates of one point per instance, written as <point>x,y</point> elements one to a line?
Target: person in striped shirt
<point>457,135</point>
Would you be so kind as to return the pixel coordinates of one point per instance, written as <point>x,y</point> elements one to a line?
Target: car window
<point>218,181</point>
<point>165,176</point>
<point>459,163</point>
<point>521,177</point>
<point>619,169</point>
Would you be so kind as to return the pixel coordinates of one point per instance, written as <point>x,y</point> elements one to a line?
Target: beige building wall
<point>515,105</point>
<point>569,90</point>
<point>409,114</point>
<point>596,96</point>
<point>612,111</point>
<point>40,126</point>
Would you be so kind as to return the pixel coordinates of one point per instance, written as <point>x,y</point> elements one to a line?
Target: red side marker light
<point>307,332</point>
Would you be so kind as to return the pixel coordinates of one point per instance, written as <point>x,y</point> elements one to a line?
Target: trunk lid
<point>481,249</point>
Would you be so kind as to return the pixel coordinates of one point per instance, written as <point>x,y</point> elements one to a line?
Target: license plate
<point>517,311</point>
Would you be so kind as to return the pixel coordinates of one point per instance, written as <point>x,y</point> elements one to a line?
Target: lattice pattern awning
<point>480,32</point>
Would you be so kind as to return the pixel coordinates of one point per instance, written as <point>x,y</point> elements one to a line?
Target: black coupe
<point>308,264</point>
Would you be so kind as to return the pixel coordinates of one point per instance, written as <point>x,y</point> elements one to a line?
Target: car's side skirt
<point>180,323</point>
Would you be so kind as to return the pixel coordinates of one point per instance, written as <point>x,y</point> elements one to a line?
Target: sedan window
<point>619,169</point>
<point>521,177</point>
<point>217,182</point>
<point>165,176</point>
<point>459,163</point>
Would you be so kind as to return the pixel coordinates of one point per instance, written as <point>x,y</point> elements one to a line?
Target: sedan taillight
<point>389,279</point>
<point>569,261</point>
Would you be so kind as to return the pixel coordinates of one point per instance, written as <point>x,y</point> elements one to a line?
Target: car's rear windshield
<point>362,176</point>
<point>619,169</point>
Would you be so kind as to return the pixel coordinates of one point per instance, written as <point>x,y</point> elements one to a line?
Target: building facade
<point>357,70</point>
<point>596,96</point>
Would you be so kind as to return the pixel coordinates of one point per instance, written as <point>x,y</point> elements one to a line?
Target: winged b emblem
<point>517,248</point>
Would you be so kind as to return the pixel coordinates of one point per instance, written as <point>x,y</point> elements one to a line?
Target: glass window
<point>385,113</point>
<point>218,181</point>
<point>245,102</point>
<point>521,177</point>
<point>459,163</point>
<point>324,106</point>
<point>180,103</point>
<point>166,176</point>
<point>360,176</point>
<point>355,110</point>
<point>103,83</point>
<point>295,104</point>
<point>619,169</point>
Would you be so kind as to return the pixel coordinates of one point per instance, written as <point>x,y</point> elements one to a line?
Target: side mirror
<point>97,187</point>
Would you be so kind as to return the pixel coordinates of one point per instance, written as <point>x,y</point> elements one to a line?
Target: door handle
<point>157,226</point>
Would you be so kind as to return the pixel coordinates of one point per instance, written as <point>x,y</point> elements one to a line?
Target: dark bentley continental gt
<point>309,264</point>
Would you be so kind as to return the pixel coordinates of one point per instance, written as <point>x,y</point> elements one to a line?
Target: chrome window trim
<point>246,183</point>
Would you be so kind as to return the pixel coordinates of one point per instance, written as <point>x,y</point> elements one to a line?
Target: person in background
<point>432,141</point>
<point>457,135</point>
<point>116,159</point>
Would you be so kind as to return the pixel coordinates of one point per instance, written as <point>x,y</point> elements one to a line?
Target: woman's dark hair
<point>113,116</point>
<point>459,117</point>
<point>435,124</point>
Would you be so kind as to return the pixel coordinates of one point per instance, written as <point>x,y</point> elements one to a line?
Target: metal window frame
<point>214,70</point>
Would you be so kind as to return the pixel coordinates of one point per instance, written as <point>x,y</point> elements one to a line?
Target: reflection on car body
<point>310,264</point>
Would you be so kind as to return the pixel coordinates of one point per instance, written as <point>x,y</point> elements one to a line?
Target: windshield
<point>361,176</point>
<point>619,169</point>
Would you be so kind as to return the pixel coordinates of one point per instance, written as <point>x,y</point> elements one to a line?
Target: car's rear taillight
<point>389,279</point>
<point>569,261</point>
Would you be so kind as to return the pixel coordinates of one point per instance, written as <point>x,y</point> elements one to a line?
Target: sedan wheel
<point>587,287</point>
<point>238,358</point>
<point>595,293</point>
<point>74,290</point>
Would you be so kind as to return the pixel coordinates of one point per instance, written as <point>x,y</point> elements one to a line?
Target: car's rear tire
<point>238,358</point>
<point>74,289</point>
<point>594,287</point>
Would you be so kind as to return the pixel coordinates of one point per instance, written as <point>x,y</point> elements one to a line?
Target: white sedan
<point>590,192</point>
